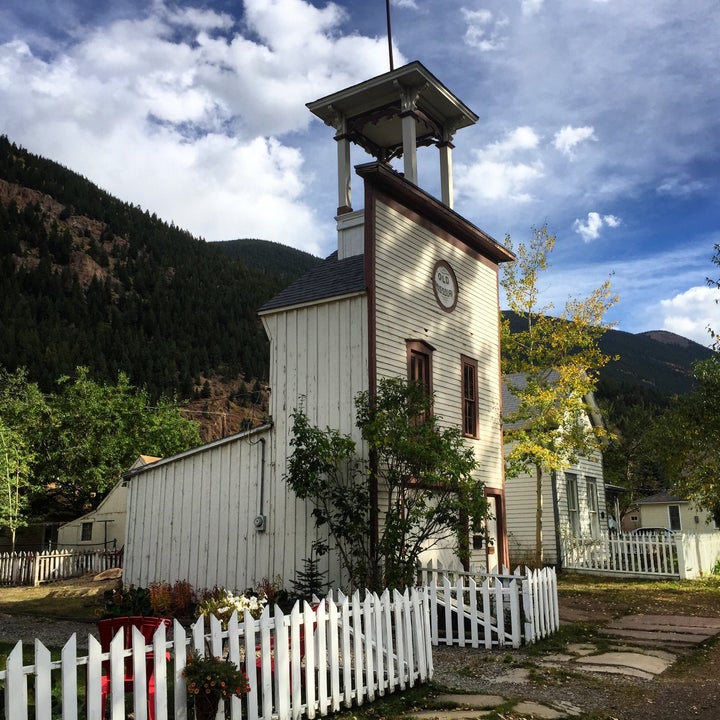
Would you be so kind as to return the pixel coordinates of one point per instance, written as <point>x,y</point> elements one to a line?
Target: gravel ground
<point>52,633</point>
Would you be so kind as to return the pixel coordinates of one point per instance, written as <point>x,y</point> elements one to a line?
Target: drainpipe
<point>556,516</point>
<point>260,519</point>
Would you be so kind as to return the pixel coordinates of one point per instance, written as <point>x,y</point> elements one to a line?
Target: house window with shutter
<point>469,397</point>
<point>86,531</point>
<point>572,504</point>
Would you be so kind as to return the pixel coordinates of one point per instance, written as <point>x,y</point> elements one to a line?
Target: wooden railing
<point>33,568</point>
<point>307,663</point>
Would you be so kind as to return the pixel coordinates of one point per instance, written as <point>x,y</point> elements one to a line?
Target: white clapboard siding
<point>309,663</point>
<point>406,252</point>
<point>521,505</point>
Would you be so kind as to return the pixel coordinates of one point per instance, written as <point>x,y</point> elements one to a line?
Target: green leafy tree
<point>417,479</point>
<point>556,360</point>
<point>689,439</point>
<point>97,430</point>
<point>15,480</point>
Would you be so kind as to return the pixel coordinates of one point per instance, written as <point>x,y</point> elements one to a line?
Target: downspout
<point>556,517</point>
<point>260,519</point>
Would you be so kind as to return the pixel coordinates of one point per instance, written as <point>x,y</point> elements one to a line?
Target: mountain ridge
<point>91,280</point>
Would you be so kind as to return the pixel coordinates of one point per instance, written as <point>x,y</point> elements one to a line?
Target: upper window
<point>469,397</point>
<point>419,363</point>
<point>86,532</point>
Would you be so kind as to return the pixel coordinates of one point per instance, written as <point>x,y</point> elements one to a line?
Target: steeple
<point>390,116</point>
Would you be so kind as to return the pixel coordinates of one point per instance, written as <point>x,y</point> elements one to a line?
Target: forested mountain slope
<point>87,279</point>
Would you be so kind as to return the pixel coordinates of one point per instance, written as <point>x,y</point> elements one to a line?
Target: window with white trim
<point>573,506</point>
<point>592,503</point>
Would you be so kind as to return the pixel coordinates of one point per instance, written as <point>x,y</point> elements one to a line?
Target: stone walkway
<point>642,646</point>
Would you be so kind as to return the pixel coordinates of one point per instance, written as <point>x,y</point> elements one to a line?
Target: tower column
<point>343,165</point>
<point>446,175</point>
<point>408,100</point>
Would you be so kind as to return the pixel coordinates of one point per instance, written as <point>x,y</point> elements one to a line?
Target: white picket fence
<point>623,554</point>
<point>33,568</point>
<point>506,609</point>
<point>353,651</point>
<point>681,555</point>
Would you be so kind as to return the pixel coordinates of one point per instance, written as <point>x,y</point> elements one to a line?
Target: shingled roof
<point>331,279</point>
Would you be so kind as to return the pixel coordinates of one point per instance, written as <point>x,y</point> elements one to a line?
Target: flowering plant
<point>222,603</point>
<point>214,677</point>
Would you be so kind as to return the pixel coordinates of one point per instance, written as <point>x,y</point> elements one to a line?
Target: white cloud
<point>691,312</point>
<point>531,7</point>
<point>405,4</point>
<point>568,137</point>
<point>680,187</point>
<point>590,229</point>
<point>483,31</point>
<point>144,107</point>
<point>497,174</point>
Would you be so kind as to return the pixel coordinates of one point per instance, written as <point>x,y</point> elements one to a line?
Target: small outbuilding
<point>104,527</point>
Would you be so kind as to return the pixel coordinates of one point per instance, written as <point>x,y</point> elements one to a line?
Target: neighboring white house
<point>664,510</point>
<point>104,527</point>
<point>411,291</point>
<point>574,501</point>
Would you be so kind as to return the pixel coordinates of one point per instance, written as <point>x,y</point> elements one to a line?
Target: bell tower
<point>390,116</point>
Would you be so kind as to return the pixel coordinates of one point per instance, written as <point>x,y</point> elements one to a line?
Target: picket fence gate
<point>503,609</point>
<point>353,651</point>
<point>33,568</point>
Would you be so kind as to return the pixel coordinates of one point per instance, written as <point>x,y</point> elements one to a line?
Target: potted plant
<point>209,680</point>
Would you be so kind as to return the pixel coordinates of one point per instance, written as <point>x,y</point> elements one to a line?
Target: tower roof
<point>372,110</point>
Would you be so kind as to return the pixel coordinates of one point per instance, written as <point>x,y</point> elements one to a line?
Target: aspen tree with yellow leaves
<point>559,359</point>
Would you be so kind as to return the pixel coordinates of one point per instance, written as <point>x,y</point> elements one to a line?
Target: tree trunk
<point>538,517</point>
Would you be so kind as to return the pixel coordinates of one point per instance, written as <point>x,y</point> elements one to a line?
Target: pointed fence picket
<point>504,609</point>
<point>308,663</point>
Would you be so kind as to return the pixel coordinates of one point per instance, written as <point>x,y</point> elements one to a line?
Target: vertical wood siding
<point>192,518</point>
<point>318,361</point>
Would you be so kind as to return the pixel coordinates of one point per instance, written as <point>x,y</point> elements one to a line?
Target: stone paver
<point>476,702</point>
<point>539,711</point>
<point>635,660</point>
<point>642,644</point>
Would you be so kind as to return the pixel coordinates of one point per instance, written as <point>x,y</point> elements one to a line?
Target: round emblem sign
<point>445,285</point>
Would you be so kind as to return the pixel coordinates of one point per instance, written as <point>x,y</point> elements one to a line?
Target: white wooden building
<point>575,502</point>
<point>104,527</point>
<point>411,291</point>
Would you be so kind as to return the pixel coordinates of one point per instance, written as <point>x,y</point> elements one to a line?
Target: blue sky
<point>600,118</point>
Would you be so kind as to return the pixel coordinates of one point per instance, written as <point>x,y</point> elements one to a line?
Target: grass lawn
<point>76,599</point>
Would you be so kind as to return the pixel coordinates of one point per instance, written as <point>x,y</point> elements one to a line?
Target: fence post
<point>682,565</point>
